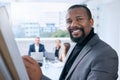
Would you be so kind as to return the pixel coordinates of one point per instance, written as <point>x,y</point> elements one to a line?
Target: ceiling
<point>93,2</point>
<point>68,1</point>
<point>61,1</point>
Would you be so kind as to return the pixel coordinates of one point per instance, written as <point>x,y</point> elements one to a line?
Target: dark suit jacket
<point>96,61</point>
<point>32,48</point>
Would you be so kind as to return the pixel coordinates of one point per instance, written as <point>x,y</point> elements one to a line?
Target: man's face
<point>37,41</point>
<point>78,24</point>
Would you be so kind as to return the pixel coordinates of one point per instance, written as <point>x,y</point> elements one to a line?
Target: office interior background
<point>43,18</point>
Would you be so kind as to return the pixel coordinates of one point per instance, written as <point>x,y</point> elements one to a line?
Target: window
<point>38,19</point>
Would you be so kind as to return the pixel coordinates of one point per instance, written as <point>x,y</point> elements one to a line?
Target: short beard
<point>78,39</point>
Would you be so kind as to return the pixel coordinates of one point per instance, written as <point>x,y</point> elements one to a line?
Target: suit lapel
<point>39,48</point>
<point>78,59</point>
<point>68,54</point>
<point>34,47</point>
<point>83,52</point>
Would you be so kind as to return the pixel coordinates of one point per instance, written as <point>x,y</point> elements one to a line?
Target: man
<point>36,47</point>
<point>91,58</point>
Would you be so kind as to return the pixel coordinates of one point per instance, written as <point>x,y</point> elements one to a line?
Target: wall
<point>49,43</point>
<point>109,29</point>
<point>110,32</point>
<point>110,24</point>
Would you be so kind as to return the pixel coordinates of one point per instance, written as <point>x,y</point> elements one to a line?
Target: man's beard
<point>80,38</point>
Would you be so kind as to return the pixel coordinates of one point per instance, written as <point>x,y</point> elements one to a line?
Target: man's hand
<point>32,67</point>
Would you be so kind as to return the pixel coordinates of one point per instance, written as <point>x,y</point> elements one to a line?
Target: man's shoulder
<point>98,43</point>
<point>102,46</point>
<point>41,44</point>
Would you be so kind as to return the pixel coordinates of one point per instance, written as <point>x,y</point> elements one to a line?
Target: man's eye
<point>69,21</point>
<point>79,19</point>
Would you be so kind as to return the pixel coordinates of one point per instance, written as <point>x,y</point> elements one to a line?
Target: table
<point>52,70</point>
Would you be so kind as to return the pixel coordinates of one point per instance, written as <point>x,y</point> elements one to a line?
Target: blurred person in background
<point>36,46</point>
<point>57,47</point>
<point>64,51</point>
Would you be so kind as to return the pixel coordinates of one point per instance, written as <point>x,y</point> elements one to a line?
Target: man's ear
<point>91,22</point>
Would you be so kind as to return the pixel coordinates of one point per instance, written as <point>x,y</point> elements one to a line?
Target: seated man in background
<point>62,55</point>
<point>36,46</point>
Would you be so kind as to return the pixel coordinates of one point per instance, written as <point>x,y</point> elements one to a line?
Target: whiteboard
<point>11,64</point>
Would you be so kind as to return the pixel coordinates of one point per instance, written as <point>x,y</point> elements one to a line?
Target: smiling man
<point>91,58</point>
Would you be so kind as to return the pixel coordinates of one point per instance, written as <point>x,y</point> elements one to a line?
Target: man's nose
<point>74,24</point>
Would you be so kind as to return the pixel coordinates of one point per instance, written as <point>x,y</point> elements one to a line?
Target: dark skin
<point>76,18</point>
<point>32,67</point>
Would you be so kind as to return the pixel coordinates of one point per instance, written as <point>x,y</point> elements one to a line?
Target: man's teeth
<point>76,30</point>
